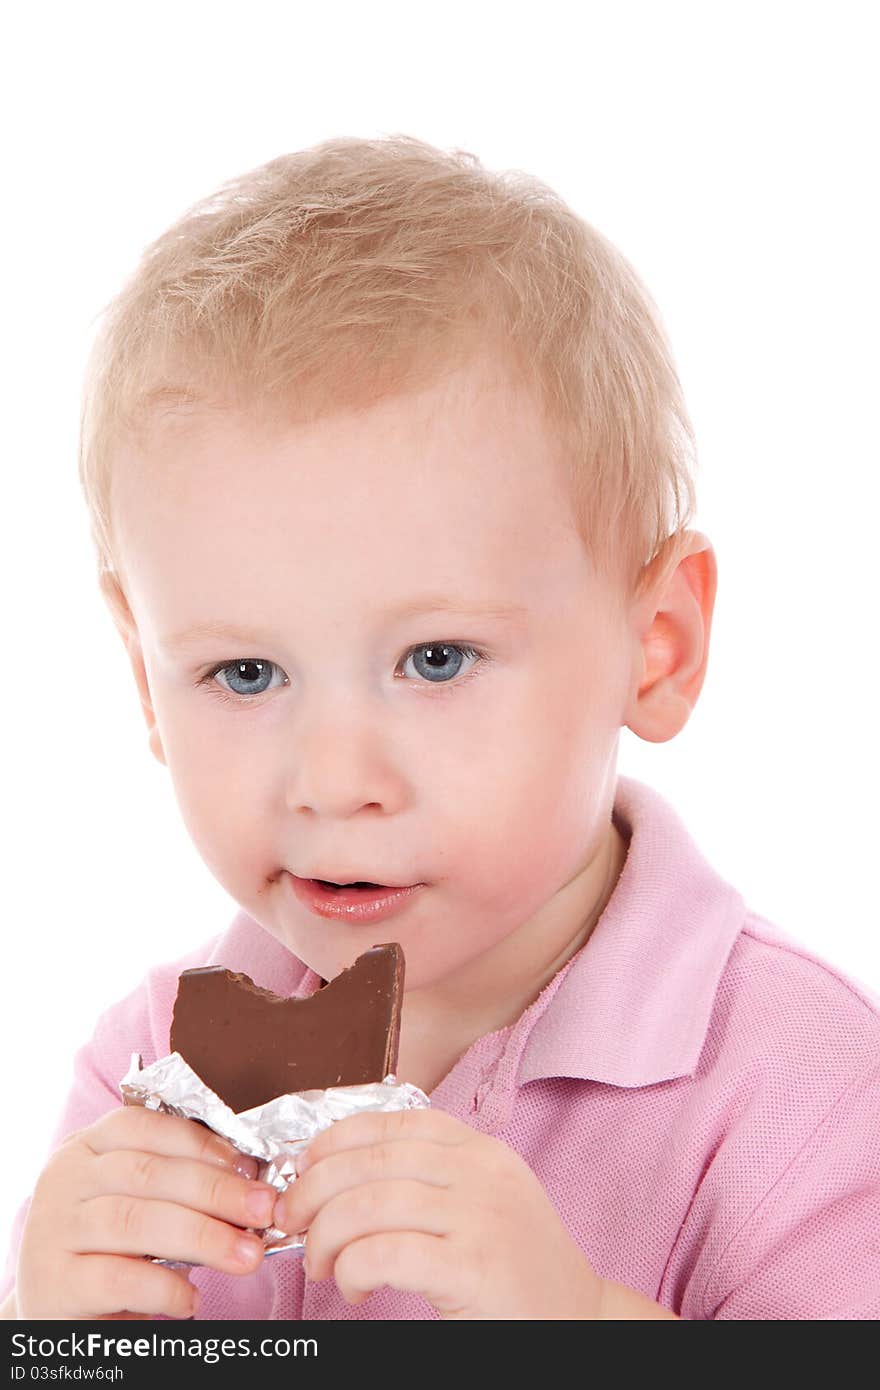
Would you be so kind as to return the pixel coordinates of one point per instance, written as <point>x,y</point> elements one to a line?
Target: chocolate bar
<point>250,1045</point>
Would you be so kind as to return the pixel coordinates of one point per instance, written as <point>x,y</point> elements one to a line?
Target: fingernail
<point>260,1203</point>
<point>246,1251</point>
<point>246,1167</point>
<point>279,1215</point>
<point>301,1161</point>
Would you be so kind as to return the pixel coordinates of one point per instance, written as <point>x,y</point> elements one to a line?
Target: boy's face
<point>491,783</point>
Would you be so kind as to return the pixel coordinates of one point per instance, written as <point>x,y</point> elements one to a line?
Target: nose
<point>339,762</point>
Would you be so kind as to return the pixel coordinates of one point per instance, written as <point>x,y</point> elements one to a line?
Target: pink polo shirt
<point>698,1093</point>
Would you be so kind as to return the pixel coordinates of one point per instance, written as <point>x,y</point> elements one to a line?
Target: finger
<point>405,1260</point>
<point>125,1316</point>
<point>414,1159</point>
<point>369,1209</point>
<point>212,1190</point>
<point>134,1127</point>
<point>378,1127</point>
<point>135,1226</point>
<point>107,1283</point>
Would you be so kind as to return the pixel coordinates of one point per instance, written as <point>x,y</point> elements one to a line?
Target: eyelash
<point>231,698</point>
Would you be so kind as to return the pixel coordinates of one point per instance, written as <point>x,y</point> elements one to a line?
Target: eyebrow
<point>426,604</point>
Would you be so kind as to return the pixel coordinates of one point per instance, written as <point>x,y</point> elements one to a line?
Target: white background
<point>728,150</point>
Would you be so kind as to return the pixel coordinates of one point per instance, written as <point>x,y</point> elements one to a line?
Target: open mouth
<point>325,883</point>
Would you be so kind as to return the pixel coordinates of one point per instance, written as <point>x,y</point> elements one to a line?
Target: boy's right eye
<point>249,673</point>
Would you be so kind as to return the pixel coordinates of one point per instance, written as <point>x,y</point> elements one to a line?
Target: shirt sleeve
<point>811,1248</point>
<point>97,1070</point>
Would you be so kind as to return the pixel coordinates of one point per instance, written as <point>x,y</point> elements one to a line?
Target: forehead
<point>458,485</point>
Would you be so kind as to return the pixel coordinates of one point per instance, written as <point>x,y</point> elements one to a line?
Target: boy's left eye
<point>438,666</point>
<point>438,656</point>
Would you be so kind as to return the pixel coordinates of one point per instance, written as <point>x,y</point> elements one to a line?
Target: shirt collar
<point>633,1006</point>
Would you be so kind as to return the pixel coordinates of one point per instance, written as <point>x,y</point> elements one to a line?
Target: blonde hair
<point>329,277</point>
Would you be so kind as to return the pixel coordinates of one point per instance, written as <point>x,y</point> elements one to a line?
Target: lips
<point>370,903</point>
<point>351,880</point>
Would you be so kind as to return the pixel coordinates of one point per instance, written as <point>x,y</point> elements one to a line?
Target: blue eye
<point>250,672</point>
<point>439,665</point>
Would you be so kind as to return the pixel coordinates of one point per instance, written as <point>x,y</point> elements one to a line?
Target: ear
<point>126,626</point>
<point>673,624</point>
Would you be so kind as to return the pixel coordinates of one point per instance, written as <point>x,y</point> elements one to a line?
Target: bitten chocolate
<point>250,1045</point>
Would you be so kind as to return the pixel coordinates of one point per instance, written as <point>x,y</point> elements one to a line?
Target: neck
<point>440,1021</point>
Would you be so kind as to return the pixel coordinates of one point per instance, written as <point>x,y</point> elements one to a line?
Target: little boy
<point>389,477</point>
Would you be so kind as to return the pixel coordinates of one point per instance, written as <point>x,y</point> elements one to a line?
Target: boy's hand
<point>137,1183</point>
<point>418,1200</point>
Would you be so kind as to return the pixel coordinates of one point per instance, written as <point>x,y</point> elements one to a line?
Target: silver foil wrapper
<point>273,1133</point>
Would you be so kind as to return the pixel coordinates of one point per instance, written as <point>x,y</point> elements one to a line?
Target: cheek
<point>533,807</point>
<point>217,788</point>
